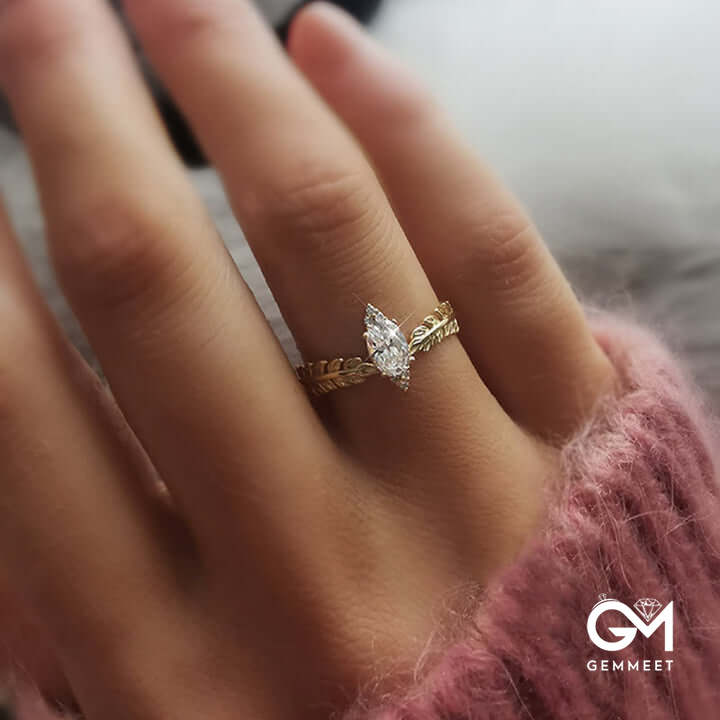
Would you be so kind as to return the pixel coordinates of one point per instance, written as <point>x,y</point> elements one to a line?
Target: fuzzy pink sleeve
<point>635,514</point>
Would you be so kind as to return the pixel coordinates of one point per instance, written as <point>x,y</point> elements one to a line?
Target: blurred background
<point>604,118</point>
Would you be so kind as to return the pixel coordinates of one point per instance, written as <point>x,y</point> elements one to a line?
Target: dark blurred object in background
<point>363,10</point>
<point>278,12</point>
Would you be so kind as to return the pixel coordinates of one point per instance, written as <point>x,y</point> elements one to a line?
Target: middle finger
<point>313,211</point>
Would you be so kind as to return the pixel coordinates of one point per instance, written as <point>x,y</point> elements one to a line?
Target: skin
<point>300,549</point>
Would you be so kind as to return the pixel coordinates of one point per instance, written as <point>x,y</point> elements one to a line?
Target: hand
<point>302,548</point>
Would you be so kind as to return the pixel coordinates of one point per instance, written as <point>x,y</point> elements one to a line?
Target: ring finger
<point>314,213</point>
<point>526,331</point>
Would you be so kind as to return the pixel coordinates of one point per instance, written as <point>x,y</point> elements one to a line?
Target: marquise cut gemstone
<point>386,344</point>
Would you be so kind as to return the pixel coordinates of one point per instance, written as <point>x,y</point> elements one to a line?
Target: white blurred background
<point>605,120</point>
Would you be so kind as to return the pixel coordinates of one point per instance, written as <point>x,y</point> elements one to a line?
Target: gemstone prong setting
<point>389,352</point>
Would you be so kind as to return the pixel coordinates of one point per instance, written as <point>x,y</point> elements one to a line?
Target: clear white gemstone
<point>387,345</point>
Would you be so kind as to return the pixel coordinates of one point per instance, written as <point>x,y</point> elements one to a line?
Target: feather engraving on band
<point>434,329</point>
<point>324,376</point>
<point>389,353</point>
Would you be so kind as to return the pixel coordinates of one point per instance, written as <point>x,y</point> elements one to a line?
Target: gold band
<point>389,352</point>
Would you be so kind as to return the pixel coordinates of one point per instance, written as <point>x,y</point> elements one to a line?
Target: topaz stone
<point>387,346</point>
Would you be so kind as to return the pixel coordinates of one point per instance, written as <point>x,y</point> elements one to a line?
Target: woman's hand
<point>306,547</point>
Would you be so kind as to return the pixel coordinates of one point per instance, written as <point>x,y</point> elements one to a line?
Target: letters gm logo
<point>651,617</point>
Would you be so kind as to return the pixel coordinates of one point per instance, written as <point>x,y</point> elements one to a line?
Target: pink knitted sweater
<point>635,515</point>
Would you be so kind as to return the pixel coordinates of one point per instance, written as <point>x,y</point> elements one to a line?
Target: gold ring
<point>390,353</point>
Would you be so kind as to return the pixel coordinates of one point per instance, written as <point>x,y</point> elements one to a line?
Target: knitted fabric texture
<point>635,514</point>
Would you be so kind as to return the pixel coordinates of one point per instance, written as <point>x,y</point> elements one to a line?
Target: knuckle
<point>35,34</point>
<point>509,253</point>
<point>109,252</point>
<point>322,210</point>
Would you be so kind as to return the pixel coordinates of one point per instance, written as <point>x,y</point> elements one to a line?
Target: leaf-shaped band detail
<point>434,329</point>
<point>324,376</point>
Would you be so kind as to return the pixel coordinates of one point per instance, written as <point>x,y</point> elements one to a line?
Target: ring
<point>390,353</point>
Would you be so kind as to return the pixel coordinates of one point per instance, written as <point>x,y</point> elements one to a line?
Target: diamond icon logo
<point>647,616</point>
<point>648,608</point>
<point>388,348</point>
